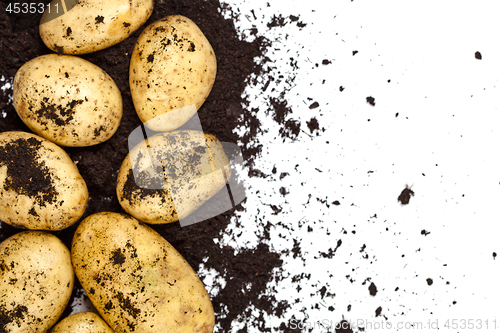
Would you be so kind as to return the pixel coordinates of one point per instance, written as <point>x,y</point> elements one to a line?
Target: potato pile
<point>135,279</point>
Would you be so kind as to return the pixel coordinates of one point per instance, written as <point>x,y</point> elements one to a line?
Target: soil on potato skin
<point>99,165</point>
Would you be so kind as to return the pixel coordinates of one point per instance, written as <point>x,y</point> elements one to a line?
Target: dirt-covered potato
<point>91,25</point>
<point>82,322</point>
<point>136,280</point>
<point>172,174</point>
<point>40,186</point>
<point>173,66</point>
<point>67,100</point>
<point>36,281</point>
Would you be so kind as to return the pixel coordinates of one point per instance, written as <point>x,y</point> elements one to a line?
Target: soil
<point>406,194</point>
<point>220,114</point>
<point>23,168</point>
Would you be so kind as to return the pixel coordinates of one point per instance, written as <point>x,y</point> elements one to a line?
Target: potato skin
<point>190,175</point>
<point>82,322</point>
<point>67,100</point>
<point>40,186</point>
<point>173,66</point>
<point>93,25</point>
<point>36,281</point>
<point>136,280</point>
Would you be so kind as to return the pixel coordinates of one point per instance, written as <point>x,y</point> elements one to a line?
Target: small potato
<point>36,281</point>
<point>40,186</point>
<point>136,280</point>
<point>173,66</point>
<point>83,322</point>
<point>91,25</point>
<point>67,100</point>
<point>172,174</point>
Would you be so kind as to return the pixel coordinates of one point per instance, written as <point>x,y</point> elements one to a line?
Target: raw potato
<point>173,66</point>
<point>67,100</point>
<point>171,178</point>
<point>92,25</point>
<point>83,322</point>
<point>40,186</point>
<point>136,280</point>
<point>36,281</point>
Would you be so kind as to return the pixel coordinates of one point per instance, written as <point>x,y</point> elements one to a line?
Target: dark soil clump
<point>406,194</point>
<point>26,173</point>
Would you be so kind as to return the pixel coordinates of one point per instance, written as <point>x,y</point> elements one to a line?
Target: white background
<point>442,143</point>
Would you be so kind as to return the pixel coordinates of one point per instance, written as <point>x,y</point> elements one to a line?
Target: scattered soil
<point>220,114</point>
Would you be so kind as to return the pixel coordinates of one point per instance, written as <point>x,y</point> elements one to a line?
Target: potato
<point>172,67</point>
<point>83,322</point>
<point>91,25</point>
<point>36,281</point>
<point>40,186</point>
<point>67,100</point>
<point>136,280</point>
<point>172,174</point>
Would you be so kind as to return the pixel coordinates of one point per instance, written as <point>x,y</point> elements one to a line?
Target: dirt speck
<point>314,105</point>
<point>406,194</point>
<point>313,125</point>
<point>99,19</point>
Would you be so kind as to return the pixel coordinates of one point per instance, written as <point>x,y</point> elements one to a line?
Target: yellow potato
<point>67,100</point>
<point>136,280</point>
<point>83,322</point>
<point>91,25</point>
<point>172,174</point>
<point>40,186</point>
<point>173,66</point>
<point>36,281</point>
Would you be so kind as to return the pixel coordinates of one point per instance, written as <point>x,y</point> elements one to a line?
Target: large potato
<point>67,100</point>
<point>91,25</point>
<point>36,281</point>
<point>170,175</point>
<point>136,280</point>
<point>83,322</point>
<point>40,186</point>
<point>173,66</point>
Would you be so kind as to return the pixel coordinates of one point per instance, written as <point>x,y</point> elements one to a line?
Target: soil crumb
<point>406,194</point>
